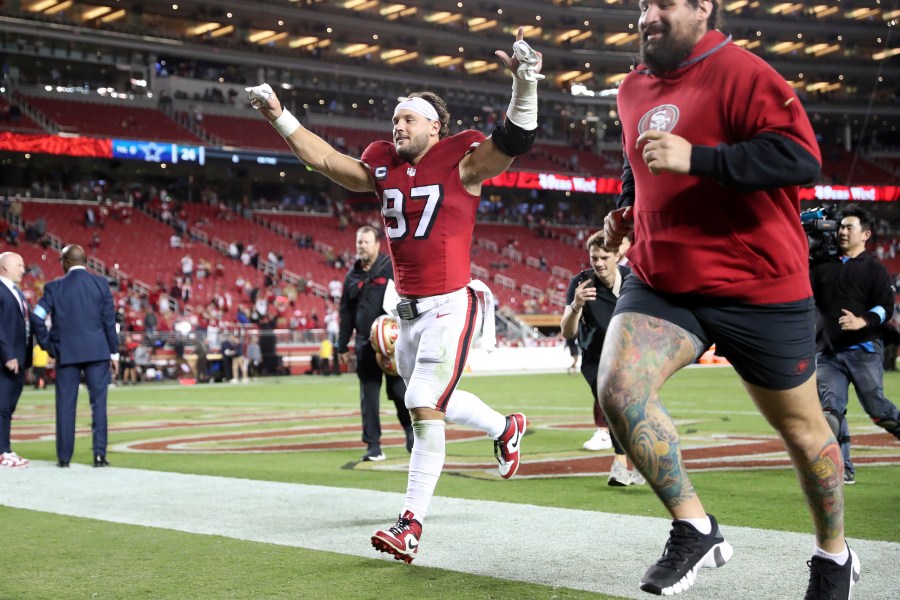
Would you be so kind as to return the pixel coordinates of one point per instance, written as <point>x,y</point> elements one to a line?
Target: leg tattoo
<point>822,481</point>
<point>646,352</point>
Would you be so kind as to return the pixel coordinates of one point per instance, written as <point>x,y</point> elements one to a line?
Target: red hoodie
<point>731,228</point>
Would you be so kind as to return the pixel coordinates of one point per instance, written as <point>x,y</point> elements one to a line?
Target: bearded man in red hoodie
<point>716,144</point>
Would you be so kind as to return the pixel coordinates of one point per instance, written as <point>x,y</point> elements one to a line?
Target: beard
<point>414,147</point>
<point>664,55</point>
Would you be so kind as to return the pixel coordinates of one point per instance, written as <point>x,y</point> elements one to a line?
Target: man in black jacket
<point>590,302</point>
<point>361,303</point>
<point>854,296</point>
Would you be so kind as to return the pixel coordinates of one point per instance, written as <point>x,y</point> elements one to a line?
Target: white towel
<point>487,335</point>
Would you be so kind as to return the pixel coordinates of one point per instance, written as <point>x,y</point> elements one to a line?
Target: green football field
<point>305,430</point>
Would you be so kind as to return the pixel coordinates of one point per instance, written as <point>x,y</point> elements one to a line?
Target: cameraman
<point>854,296</point>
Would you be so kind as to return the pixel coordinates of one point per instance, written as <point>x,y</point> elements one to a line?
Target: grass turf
<point>64,557</point>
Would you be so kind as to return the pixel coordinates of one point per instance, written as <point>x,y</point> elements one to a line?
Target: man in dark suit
<point>83,339</point>
<point>15,351</point>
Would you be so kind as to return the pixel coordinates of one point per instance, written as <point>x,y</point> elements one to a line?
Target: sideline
<point>553,546</point>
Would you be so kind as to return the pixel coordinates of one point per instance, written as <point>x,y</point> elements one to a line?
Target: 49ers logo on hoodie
<point>661,118</point>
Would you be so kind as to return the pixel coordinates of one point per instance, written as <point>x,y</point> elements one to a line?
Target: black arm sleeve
<point>767,161</point>
<point>626,196</point>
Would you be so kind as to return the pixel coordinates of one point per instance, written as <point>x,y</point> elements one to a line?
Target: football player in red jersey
<point>429,184</point>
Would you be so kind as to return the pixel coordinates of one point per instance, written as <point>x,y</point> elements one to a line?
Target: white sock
<point>703,525</point>
<point>425,466</point>
<point>840,559</point>
<point>468,409</point>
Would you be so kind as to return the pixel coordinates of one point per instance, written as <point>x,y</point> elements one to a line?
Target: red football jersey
<point>428,215</point>
<point>693,235</point>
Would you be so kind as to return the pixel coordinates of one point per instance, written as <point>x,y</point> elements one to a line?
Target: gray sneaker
<point>618,475</point>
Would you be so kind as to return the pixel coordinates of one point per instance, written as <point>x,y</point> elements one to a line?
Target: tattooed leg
<point>797,417</point>
<point>640,353</point>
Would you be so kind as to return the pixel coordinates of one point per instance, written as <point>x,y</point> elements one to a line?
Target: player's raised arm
<point>516,134</point>
<point>310,148</point>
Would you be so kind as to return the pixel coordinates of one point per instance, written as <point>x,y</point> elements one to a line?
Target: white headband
<point>419,105</point>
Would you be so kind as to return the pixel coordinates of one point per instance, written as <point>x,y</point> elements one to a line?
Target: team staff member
<point>82,339</point>
<point>716,144</point>
<point>361,303</point>
<point>15,351</point>
<point>855,296</point>
<point>429,184</point>
<point>590,302</point>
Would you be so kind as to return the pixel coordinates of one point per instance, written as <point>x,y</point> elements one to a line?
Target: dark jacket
<point>12,331</point>
<point>862,286</point>
<point>83,319</point>
<point>597,314</point>
<point>362,299</point>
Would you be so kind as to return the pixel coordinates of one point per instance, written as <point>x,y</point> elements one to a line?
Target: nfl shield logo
<point>411,171</point>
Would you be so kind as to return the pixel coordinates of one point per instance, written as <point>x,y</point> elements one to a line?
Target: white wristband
<point>286,124</point>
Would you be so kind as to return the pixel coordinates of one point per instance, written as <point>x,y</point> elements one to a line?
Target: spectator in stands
<point>95,240</point>
<point>590,301</point>
<point>175,240</point>
<point>150,320</point>
<point>203,268</point>
<point>335,289</point>
<point>703,273</point>
<point>90,217</point>
<point>234,252</point>
<point>187,267</point>
<point>855,296</point>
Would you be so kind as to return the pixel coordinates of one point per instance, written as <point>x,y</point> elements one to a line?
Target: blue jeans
<point>865,370</point>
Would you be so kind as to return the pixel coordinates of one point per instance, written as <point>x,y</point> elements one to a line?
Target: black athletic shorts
<point>769,345</point>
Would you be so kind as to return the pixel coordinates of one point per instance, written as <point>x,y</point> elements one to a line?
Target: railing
<point>96,265</point>
<point>504,281</point>
<point>561,272</point>
<point>512,254</point>
<point>487,244</point>
<point>557,299</point>
<point>479,272</point>
<point>531,291</point>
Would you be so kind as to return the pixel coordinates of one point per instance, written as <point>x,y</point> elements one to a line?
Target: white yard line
<point>578,549</point>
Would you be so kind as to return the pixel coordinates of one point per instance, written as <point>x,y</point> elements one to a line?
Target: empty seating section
<point>243,132</point>
<point>529,243</point>
<point>11,119</point>
<point>844,168</point>
<point>352,141</point>
<point>323,229</point>
<point>111,120</point>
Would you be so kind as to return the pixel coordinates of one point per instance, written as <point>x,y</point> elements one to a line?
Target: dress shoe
<point>100,461</point>
<point>64,464</point>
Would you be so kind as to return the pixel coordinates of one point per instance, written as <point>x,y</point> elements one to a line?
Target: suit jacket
<point>12,332</point>
<point>83,319</point>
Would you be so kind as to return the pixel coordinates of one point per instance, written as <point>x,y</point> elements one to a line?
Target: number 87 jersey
<point>429,217</point>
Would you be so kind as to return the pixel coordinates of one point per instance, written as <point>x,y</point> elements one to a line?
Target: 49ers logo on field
<point>661,118</point>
